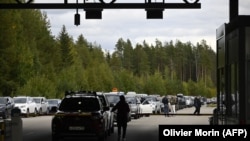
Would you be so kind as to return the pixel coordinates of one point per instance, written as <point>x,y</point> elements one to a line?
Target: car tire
<point>5,115</point>
<point>40,111</point>
<point>28,113</point>
<point>35,112</point>
<point>47,111</point>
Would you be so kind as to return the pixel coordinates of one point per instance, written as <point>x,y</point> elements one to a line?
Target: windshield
<point>37,100</point>
<point>20,100</point>
<point>53,102</point>
<point>2,100</point>
<point>151,98</point>
<point>131,100</point>
<point>79,105</point>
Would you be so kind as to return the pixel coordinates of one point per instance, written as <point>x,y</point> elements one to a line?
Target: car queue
<point>140,104</point>
<point>29,106</point>
<point>89,114</point>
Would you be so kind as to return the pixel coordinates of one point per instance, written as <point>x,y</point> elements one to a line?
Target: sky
<point>184,25</point>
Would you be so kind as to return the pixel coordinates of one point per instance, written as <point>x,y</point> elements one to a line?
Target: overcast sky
<point>177,24</point>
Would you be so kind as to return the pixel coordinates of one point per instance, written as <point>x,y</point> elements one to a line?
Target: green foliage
<point>37,64</point>
<point>155,84</point>
<point>38,86</point>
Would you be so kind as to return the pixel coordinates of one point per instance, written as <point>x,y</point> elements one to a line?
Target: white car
<point>42,105</point>
<point>147,107</point>
<point>156,102</point>
<point>26,104</point>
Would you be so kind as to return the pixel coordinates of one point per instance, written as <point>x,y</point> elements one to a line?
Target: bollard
<point>17,125</point>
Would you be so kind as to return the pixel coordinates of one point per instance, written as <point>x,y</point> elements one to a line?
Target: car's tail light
<point>98,121</point>
<point>56,124</point>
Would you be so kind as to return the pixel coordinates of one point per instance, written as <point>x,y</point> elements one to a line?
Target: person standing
<point>123,110</point>
<point>173,102</point>
<point>197,105</point>
<point>166,107</point>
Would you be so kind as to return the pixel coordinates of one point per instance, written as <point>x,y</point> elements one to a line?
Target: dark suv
<point>82,115</point>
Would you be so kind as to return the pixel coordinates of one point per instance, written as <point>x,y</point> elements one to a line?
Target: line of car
<point>29,106</point>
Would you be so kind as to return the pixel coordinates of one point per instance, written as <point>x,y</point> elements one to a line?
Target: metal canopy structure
<point>100,5</point>
<point>187,4</point>
<point>93,10</point>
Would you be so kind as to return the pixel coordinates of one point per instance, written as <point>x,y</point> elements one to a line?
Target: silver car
<point>6,105</point>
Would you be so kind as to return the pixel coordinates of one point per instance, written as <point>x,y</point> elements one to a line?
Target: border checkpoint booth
<point>233,69</point>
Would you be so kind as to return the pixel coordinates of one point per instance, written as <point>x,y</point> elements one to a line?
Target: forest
<point>36,63</point>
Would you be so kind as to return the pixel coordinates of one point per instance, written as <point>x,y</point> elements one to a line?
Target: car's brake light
<point>98,121</point>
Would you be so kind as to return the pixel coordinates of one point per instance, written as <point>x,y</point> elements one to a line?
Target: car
<point>26,104</point>
<point>110,121</point>
<point>80,114</point>
<point>42,105</point>
<point>180,101</point>
<point>54,105</point>
<point>155,101</point>
<point>6,105</point>
<point>113,98</point>
<point>147,107</point>
<point>134,104</point>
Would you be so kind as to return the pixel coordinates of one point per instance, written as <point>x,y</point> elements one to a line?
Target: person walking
<point>197,105</point>
<point>166,107</point>
<point>123,110</point>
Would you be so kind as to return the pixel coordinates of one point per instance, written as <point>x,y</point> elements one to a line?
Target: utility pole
<point>233,9</point>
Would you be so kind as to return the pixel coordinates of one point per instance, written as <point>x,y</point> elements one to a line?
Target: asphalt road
<point>143,129</point>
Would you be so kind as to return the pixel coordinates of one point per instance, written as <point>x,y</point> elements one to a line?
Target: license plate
<point>76,128</point>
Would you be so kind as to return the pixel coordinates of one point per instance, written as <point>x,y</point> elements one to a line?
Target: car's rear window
<point>79,104</point>
<point>113,98</point>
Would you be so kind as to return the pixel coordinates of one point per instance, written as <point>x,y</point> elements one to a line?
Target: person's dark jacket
<point>123,109</point>
<point>197,102</point>
<point>165,100</point>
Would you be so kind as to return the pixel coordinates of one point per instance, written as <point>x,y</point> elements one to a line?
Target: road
<point>144,129</point>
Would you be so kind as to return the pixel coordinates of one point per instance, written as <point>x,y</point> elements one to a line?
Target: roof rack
<point>79,93</point>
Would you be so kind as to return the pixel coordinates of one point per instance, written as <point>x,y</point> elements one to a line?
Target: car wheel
<point>40,111</point>
<point>5,114</point>
<point>159,111</point>
<point>35,112</point>
<point>28,113</point>
<point>47,111</point>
